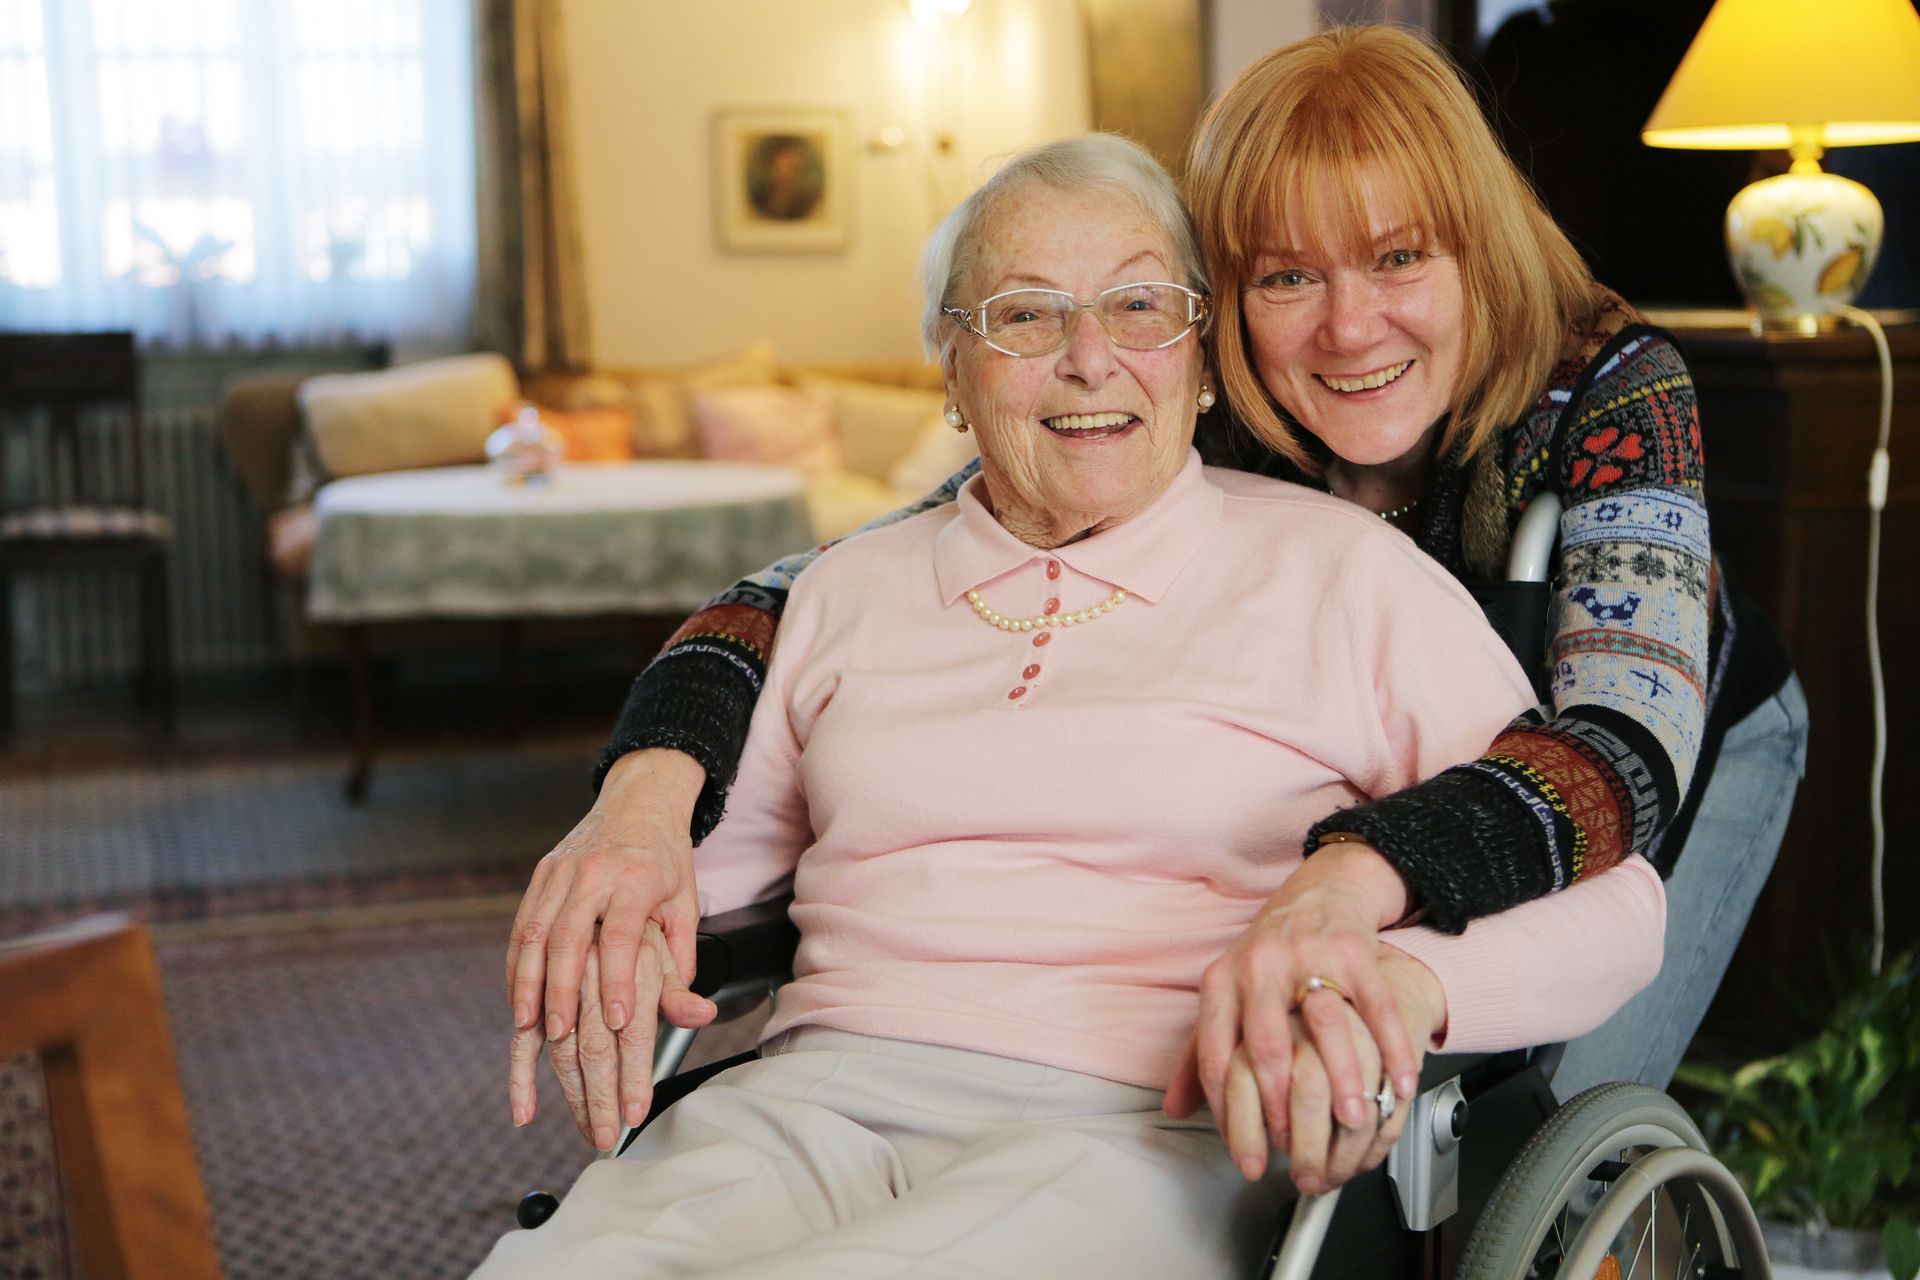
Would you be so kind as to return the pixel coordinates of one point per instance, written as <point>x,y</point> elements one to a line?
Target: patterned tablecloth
<point>608,538</point>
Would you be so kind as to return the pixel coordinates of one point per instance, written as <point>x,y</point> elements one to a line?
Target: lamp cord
<point>1877,472</point>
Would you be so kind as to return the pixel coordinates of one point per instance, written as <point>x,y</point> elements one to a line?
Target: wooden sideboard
<point>1789,426</point>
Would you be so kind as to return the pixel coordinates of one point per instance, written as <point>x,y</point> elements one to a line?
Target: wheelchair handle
<point>1531,555</point>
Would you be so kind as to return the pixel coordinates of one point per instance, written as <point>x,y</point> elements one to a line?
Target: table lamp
<point>1804,75</point>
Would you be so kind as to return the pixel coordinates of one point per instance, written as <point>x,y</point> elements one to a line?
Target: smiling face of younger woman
<point>1360,343</point>
<point>1089,435</point>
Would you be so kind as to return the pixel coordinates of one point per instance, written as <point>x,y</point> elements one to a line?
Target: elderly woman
<point>1029,763</point>
<point>1403,325</point>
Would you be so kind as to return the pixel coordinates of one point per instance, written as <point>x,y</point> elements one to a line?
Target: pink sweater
<point>1032,843</point>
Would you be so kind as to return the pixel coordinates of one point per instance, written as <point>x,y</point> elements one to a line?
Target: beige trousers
<point>848,1157</point>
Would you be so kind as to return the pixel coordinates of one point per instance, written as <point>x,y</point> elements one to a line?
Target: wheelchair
<point>1617,1184</point>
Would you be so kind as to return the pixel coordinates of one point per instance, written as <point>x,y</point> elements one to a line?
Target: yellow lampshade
<point>1766,74</point>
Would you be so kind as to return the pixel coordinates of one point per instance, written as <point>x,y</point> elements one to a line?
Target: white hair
<point>1091,161</point>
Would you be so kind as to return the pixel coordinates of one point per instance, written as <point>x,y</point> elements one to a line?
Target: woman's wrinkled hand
<point>1324,922</point>
<point>627,862</point>
<point>1324,1151</point>
<point>605,1075</point>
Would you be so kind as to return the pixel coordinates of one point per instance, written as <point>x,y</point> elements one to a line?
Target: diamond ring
<point>1384,1100</point>
<point>1317,983</point>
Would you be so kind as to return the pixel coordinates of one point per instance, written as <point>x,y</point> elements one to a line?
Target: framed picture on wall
<point>783,179</point>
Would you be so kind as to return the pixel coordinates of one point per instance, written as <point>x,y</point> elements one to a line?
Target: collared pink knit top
<point>1032,843</point>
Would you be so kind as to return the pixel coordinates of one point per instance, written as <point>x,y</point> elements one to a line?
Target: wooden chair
<point>86,999</point>
<point>80,507</point>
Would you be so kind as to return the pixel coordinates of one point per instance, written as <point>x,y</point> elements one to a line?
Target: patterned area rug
<point>346,1086</point>
<point>172,843</point>
<point>333,978</point>
<point>31,1245</point>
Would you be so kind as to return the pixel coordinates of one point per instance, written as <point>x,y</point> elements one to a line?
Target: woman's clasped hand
<point>605,1073</point>
<point>605,937</point>
<point>1306,1019</point>
<point>1324,1147</point>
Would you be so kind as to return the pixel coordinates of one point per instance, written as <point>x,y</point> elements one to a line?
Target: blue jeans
<point>1735,835</point>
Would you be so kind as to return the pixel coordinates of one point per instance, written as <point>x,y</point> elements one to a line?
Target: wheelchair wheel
<point>1618,1185</point>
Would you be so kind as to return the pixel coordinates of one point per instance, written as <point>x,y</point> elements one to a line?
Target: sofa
<point>868,437</point>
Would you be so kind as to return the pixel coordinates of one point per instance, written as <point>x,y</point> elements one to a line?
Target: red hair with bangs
<point>1308,127</point>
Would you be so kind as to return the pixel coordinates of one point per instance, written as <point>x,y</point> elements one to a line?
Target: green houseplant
<point>1825,1135</point>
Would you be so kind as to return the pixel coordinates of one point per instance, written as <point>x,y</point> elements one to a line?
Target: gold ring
<point>1317,983</point>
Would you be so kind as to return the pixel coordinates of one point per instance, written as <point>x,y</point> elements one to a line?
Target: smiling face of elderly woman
<point>1087,436</point>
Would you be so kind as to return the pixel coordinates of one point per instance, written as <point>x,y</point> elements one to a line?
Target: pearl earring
<point>1206,399</point>
<point>955,419</point>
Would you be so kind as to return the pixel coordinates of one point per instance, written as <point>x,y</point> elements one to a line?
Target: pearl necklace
<point>1405,509</point>
<point>1043,620</point>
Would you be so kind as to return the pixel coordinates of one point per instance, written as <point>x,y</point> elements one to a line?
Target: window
<point>208,172</point>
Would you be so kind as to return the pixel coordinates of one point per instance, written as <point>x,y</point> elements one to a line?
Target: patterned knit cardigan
<point>1563,792</point>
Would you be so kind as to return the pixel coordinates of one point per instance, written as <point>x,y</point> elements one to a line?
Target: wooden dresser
<point>1789,425</point>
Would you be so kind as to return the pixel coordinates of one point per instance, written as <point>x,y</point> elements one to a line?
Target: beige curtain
<point>532,275</point>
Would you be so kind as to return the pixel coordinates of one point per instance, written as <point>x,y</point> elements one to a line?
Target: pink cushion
<point>778,426</point>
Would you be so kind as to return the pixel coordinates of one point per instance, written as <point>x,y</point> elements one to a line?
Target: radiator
<point>77,628</point>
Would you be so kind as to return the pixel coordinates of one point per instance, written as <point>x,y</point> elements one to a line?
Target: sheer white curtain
<point>212,172</point>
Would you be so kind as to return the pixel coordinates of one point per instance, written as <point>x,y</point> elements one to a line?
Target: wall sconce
<point>942,101</point>
<point>1804,75</point>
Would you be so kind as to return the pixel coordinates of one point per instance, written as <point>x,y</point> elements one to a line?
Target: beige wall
<point>647,75</point>
<point>1241,30</point>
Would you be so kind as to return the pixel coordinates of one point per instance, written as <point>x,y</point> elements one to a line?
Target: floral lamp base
<point>1801,243</point>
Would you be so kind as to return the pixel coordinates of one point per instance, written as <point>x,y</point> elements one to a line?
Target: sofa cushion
<point>657,395</point>
<point>603,434</point>
<point>878,424</point>
<point>663,416</point>
<point>937,454</point>
<point>775,425</point>
<point>841,501</point>
<point>435,413</point>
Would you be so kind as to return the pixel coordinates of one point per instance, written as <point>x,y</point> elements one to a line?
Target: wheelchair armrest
<point>1438,1068</point>
<point>751,949</point>
<point>1477,1068</point>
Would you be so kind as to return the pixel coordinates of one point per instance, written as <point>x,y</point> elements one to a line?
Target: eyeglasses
<point>1035,322</point>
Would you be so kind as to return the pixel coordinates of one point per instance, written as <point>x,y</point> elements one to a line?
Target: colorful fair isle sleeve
<point>697,694</point>
<point>1557,799</point>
